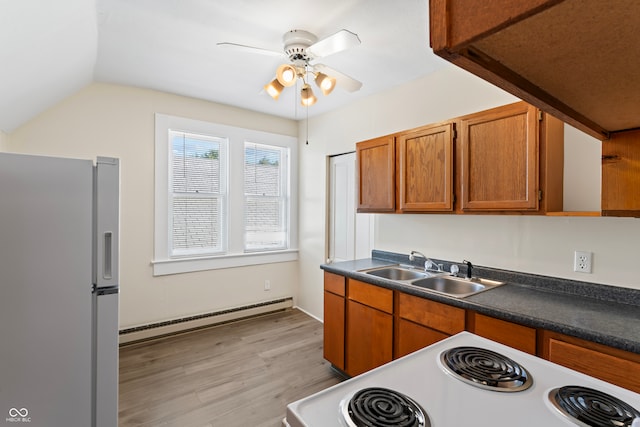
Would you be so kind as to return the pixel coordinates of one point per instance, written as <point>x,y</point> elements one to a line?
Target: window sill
<point>188,265</point>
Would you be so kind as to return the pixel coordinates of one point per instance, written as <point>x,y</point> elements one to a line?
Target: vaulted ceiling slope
<point>51,49</point>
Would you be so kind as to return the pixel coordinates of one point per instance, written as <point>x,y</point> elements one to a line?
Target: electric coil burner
<point>592,408</point>
<point>381,407</point>
<point>485,369</point>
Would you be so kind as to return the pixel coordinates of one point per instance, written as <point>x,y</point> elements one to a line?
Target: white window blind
<point>198,192</point>
<point>266,194</point>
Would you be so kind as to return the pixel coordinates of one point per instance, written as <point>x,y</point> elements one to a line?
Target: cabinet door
<point>412,337</point>
<point>334,318</point>
<point>425,169</point>
<point>376,175</point>
<point>621,174</point>
<point>369,338</point>
<point>499,150</point>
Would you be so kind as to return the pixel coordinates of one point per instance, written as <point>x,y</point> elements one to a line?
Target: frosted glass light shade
<point>325,83</point>
<point>307,98</point>
<point>286,75</point>
<point>274,88</point>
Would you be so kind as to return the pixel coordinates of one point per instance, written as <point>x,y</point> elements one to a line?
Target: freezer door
<point>45,291</point>
<point>105,302</point>
<point>106,222</point>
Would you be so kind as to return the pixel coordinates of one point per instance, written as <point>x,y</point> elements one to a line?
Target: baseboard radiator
<point>171,327</point>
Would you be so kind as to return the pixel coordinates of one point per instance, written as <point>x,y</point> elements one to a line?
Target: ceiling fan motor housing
<point>296,43</point>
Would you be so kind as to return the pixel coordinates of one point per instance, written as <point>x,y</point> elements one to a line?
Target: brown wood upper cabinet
<point>511,159</point>
<point>425,168</point>
<point>621,174</point>
<point>376,175</point>
<point>575,59</point>
<point>506,159</point>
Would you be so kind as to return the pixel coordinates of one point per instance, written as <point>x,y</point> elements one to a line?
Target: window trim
<point>235,256</point>
<point>284,197</point>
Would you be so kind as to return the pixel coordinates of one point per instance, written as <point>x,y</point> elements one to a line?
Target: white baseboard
<point>308,314</point>
<point>156,330</point>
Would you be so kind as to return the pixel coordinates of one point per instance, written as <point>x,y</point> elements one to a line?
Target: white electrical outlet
<point>267,285</point>
<point>582,262</point>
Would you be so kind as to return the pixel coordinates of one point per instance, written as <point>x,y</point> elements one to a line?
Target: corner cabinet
<point>425,168</point>
<point>376,168</point>
<point>511,159</point>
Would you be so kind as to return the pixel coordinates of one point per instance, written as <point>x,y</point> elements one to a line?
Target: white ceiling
<point>51,49</point>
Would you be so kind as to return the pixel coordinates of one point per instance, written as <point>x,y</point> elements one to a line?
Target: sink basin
<point>456,286</point>
<point>397,273</point>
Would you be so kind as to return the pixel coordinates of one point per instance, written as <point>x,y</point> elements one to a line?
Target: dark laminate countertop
<point>604,314</point>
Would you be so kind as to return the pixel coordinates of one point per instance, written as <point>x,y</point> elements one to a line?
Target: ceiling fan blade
<point>342,40</point>
<point>249,49</point>
<point>342,80</point>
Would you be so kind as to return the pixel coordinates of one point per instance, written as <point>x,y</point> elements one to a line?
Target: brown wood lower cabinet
<point>369,338</point>
<point>366,326</point>
<point>412,337</point>
<point>422,322</point>
<point>334,318</point>
<point>512,334</point>
<point>609,364</point>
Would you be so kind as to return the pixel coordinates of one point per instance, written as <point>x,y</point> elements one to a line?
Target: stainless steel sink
<point>456,286</point>
<point>397,273</point>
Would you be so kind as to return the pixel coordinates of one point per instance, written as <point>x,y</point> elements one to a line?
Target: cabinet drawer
<point>607,367</point>
<point>371,295</point>
<point>517,336</point>
<point>334,283</point>
<point>441,317</point>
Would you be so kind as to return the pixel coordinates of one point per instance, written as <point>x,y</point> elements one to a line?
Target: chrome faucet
<point>428,263</point>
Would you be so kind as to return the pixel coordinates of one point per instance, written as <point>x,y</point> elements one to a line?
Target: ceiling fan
<point>303,49</point>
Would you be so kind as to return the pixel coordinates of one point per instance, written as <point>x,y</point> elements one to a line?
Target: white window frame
<point>284,191</point>
<point>222,195</point>
<point>235,255</point>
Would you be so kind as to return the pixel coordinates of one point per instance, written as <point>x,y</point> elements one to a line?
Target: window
<point>265,197</point>
<point>198,194</point>
<point>225,196</point>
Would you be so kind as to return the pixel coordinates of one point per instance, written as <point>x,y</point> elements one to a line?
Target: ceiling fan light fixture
<point>286,74</point>
<point>307,98</point>
<point>274,88</point>
<point>325,83</point>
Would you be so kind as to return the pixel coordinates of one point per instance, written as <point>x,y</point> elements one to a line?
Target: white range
<point>511,388</point>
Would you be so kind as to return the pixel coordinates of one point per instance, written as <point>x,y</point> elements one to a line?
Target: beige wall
<point>541,245</point>
<point>4,140</point>
<point>117,121</point>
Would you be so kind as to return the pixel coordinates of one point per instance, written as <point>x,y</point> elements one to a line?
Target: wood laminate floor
<point>238,374</point>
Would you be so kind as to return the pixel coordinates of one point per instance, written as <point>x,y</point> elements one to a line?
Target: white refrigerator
<point>59,241</point>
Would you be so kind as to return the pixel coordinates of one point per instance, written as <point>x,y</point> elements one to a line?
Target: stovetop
<point>449,401</point>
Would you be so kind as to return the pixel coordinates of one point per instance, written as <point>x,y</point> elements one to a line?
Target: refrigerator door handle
<point>106,230</point>
<point>106,273</point>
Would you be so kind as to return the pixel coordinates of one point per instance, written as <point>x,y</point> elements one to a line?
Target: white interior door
<point>350,234</point>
